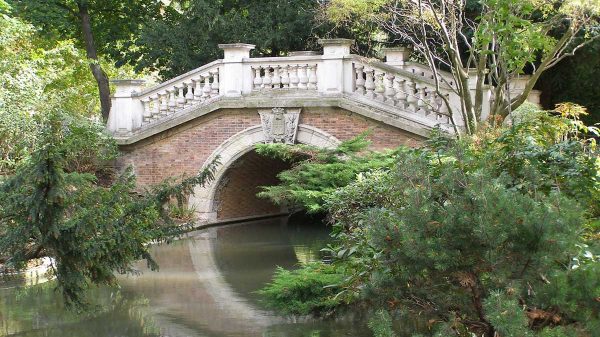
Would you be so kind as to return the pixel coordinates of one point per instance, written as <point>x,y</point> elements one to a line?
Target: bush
<point>311,289</point>
<point>484,233</point>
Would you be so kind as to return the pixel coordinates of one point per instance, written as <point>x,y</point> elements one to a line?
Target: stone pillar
<point>126,109</point>
<point>397,56</point>
<point>334,77</point>
<point>234,78</point>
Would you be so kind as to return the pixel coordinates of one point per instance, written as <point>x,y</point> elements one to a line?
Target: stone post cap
<point>397,56</point>
<point>337,42</point>
<point>226,46</point>
<point>126,87</point>
<point>236,51</point>
<point>302,53</point>
<point>336,47</point>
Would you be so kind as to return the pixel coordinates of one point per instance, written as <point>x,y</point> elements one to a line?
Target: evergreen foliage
<point>381,324</point>
<point>316,173</point>
<point>487,234</point>
<point>309,290</point>
<point>63,203</point>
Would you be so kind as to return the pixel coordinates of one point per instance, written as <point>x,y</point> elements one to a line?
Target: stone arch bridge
<point>228,106</point>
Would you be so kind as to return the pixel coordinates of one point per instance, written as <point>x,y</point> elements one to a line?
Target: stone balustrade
<point>410,92</point>
<point>285,76</point>
<point>194,89</point>
<point>396,88</point>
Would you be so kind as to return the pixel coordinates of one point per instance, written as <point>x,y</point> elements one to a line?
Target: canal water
<point>206,286</point>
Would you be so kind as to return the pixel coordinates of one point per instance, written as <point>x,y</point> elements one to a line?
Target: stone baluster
<point>198,89</point>
<point>312,76</point>
<point>180,95</point>
<point>379,88</point>
<point>267,79</point>
<point>442,110</point>
<point>257,78</point>
<point>206,90</point>
<point>422,102</point>
<point>390,92</point>
<point>360,79</point>
<point>369,83</point>
<point>400,94</point>
<point>411,98</point>
<point>172,104</point>
<point>163,97</point>
<point>146,110</point>
<point>294,76</point>
<point>189,95</point>
<point>276,81</point>
<point>302,77</point>
<point>285,77</point>
<point>215,83</point>
<point>156,106</point>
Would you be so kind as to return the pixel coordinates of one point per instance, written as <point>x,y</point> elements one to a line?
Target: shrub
<point>311,289</point>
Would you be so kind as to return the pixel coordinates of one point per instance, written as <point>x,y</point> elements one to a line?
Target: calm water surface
<point>205,287</point>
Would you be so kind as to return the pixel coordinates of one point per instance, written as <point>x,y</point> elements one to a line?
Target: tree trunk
<point>92,55</point>
<point>477,300</point>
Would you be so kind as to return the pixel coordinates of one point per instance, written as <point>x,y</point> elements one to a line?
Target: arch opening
<point>236,194</point>
<point>207,200</point>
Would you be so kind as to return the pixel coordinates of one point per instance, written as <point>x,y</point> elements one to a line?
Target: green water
<point>205,287</point>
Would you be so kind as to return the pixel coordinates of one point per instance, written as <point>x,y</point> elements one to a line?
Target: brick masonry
<point>184,149</point>
<point>236,195</point>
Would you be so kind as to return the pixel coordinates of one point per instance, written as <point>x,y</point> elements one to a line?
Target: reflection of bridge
<point>190,294</point>
<point>227,106</point>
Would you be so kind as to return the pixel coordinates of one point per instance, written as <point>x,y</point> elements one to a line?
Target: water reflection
<point>205,287</point>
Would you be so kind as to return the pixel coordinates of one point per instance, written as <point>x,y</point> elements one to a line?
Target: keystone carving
<point>280,125</point>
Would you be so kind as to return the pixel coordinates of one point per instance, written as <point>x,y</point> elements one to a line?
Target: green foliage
<point>114,22</point>
<point>309,290</point>
<point>485,234</point>
<point>381,324</point>
<point>507,315</point>
<point>60,204</point>
<point>316,173</point>
<point>37,76</point>
<point>167,44</point>
<point>276,27</point>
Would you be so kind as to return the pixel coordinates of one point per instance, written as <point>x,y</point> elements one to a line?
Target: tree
<point>482,43</point>
<point>37,74</point>
<point>64,203</point>
<point>188,33</point>
<point>99,26</point>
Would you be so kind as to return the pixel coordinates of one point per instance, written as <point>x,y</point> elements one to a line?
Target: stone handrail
<point>411,92</point>
<point>196,87</point>
<point>396,88</point>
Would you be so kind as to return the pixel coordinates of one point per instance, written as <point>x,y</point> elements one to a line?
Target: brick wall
<point>183,149</point>
<point>236,194</point>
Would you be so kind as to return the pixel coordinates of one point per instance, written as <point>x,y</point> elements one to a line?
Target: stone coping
<point>368,108</point>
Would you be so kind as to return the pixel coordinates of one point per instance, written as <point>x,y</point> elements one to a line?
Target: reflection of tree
<point>39,311</point>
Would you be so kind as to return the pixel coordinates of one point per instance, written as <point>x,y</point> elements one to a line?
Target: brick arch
<point>203,199</point>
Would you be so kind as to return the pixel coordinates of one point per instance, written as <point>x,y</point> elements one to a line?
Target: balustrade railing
<point>195,88</point>
<point>409,92</point>
<point>404,90</point>
<point>284,76</point>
